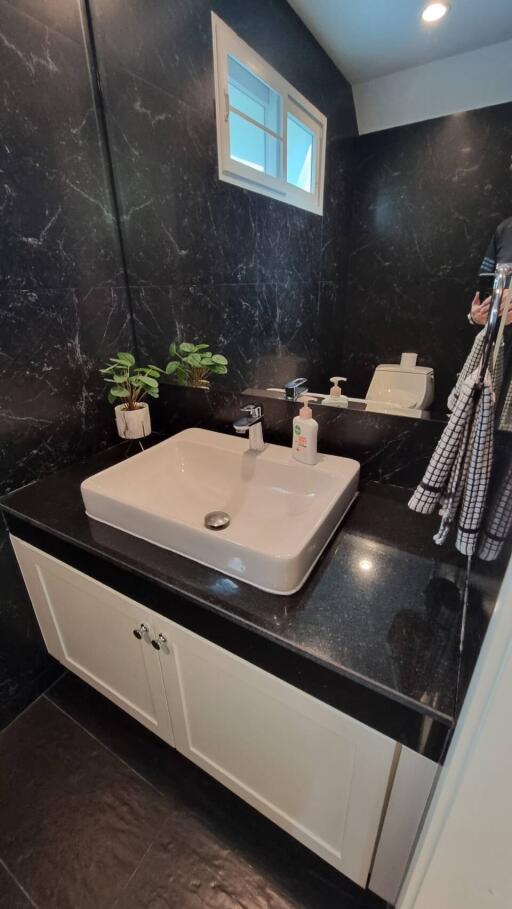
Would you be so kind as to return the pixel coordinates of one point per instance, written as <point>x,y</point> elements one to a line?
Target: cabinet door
<point>89,628</point>
<point>317,773</point>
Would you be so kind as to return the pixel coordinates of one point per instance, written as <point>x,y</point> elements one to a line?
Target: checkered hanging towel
<point>498,521</point>
<point>473,361</point>
<point>458,474</point>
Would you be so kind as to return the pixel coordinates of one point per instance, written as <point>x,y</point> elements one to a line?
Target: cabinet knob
<point>161,639</point>
<point>140,631</point>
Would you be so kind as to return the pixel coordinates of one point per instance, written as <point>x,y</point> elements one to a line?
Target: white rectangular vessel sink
<point>281,513</point>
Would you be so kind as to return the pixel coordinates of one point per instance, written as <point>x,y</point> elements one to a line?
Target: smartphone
<point>485,285</point>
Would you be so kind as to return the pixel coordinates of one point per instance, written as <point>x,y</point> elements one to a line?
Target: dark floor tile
<point>229,845</point>
<point>76,821</point>
<point>11,897</point>
<point>190,867</point>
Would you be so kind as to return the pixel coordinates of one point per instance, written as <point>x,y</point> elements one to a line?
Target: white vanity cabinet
<point>319,774</point>
<point>316,772</point>
<point>90,628</point>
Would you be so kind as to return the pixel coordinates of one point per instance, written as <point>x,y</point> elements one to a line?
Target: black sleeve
<point>488,265</point>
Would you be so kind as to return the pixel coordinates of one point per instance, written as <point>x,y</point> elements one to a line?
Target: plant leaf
<point>202,346</point>
<point>118,392</point>
<point>218,358</point>
<point>187,348</point>
<point>193,359</point>
<point>218,369</point>
<point>126,358</point>
<point>171,367</point>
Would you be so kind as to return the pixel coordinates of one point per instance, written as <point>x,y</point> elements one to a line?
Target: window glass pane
<point>246,104</point>
<point>300,153</point>
<point>250,145</point>
<point>253,97</point>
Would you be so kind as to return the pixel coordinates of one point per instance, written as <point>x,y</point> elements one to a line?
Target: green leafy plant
<point>192,364</point>
<point>129,384</point>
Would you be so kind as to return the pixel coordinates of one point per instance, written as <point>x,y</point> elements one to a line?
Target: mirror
<point>255,219</point>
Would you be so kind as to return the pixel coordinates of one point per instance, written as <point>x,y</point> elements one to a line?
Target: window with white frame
<point>270,138</point>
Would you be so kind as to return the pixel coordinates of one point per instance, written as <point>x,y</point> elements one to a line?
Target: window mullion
<point>264,129</point>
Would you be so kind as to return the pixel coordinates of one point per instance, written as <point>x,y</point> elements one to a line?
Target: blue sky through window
<point>299,153</point>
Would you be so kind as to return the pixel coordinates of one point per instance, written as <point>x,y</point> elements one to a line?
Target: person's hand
<point>480,311</point>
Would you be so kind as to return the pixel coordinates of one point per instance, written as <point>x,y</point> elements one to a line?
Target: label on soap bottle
<point>300,440</point>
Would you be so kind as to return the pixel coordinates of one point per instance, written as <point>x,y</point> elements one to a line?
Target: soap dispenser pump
<point>305,433</point>
<point>335,398</point>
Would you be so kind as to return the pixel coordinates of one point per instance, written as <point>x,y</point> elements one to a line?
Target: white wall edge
<point>479,78</point>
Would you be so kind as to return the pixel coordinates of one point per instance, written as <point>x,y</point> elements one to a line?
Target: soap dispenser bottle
<point>305,433</point>
<point>336,398</point>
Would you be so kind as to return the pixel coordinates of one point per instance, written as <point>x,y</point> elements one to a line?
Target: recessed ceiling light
<point>434,11</point>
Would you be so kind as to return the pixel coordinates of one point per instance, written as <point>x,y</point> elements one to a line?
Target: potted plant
<point>192,364</point>
<point>128,385</point>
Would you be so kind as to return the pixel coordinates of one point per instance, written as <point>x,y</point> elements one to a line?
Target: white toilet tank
<point>403,385</point>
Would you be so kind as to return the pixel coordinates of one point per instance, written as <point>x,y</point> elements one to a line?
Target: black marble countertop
<point>382,609</point>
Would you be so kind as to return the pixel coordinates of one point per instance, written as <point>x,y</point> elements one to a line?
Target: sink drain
<point>217,520</point>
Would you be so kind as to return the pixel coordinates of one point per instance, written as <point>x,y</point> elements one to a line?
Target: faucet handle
<point>253,409</point>
<point>295,387</point>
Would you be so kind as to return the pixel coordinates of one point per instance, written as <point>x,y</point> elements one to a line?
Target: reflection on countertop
<point>381,610</point>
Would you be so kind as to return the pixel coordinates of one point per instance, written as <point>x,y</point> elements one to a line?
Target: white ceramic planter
<point>133,424</point>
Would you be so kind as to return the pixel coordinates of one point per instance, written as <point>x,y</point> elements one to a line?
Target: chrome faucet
<point>251,422</point>
<point>295,388</point>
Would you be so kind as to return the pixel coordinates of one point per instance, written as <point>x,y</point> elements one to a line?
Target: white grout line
<point>20,714</point>
<point>19,886</point>
<point>116,902</point>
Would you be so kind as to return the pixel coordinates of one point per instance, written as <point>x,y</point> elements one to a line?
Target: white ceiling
<point>370,38</point>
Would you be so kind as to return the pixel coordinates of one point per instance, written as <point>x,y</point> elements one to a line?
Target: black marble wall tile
<point>287,338</point>
<point>181,224</point>
<point>58,229</point>
<point>426,201</point>
<point>62,311</point>
<point>332,314</point>
<point>62,16</point>
<point>229,313</point>
<point>269,332</point>
<point>52,401</point>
